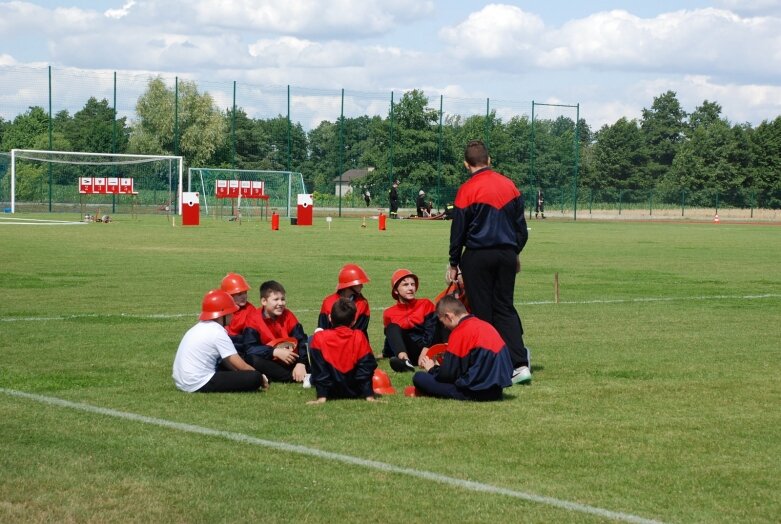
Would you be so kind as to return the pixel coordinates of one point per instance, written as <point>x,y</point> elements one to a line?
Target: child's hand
<point>426,363</point>
<point>286,355</point>
<point>299,372</point>
<point>264,383</point>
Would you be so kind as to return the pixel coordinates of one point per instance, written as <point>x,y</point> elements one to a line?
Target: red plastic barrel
<point>274,221</point>
<point>382,221</point>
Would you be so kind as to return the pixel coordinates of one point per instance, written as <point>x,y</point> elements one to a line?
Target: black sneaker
<point>401,365</point>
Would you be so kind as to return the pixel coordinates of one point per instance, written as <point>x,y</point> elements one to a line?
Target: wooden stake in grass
<point>556,287</point>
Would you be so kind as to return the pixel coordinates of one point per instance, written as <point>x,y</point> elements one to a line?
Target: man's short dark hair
<point>343,312</point>
<point>476,153</point>
<point>271,286</point>
<point>450,304</point>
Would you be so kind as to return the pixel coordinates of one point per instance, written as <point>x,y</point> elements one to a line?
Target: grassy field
<point>656,393</point>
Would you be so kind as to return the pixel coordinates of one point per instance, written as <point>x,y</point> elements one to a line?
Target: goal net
<point>232,189</point>
<point>68,180</point>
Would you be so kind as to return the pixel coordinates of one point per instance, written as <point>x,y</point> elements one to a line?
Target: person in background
<point>421,204</point>
<point>206,360</point>
<point>393,199</point>
<point>539,208</point>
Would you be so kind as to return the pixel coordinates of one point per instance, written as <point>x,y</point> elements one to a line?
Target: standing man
<point>540,207</point>
<point>487,235</point>
<point>393,198</point>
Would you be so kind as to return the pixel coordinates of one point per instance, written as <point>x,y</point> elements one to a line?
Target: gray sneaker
<point>521,375</point>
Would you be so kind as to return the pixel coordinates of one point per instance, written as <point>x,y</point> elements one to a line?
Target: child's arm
<point>253,345</point>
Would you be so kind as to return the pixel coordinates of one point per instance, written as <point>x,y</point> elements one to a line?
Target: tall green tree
<point>619,159</point>
<point>201,126</point>
<point>93,129</point>
<point>663,126</point>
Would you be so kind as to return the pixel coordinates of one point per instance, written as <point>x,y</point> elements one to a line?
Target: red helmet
<point>437,352</point>
<point>217,303</point>
<point>351,275</point>
<point>381,383</point>
<point>398,276</point>
<point>234,283</point>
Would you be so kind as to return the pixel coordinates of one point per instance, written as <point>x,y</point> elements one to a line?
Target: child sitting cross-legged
<point>342,360</point>
<point>264,344</point>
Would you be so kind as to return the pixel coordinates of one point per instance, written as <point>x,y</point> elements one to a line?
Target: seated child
<point>351,280</point>
<point>343,363</point>
<point>267,323</point>
<point>235,285</point>
<point>205,345</point>
<point>476,364</point>
<point>410,324</point>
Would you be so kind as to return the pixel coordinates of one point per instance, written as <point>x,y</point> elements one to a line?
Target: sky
<point>610,57</point>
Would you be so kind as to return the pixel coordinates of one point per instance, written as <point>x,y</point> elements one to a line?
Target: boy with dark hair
<point>342,360</point>
<point>476,364</point>
<point>261,338</point>
<point>487,235</point>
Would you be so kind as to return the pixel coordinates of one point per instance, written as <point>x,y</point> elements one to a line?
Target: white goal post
<point>117,161</point>
<point>280,188</point>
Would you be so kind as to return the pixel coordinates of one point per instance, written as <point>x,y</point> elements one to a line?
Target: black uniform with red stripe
<point>342,363</point>
<point>489,226</point>
<point>260,330</point>
<point>362,313</point>
<point>236,327</point>
<point>476,358</point>
<point>417,320</point>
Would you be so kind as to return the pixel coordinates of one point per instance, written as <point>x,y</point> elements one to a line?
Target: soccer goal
<point>67,180</point>
<point>243,190</point>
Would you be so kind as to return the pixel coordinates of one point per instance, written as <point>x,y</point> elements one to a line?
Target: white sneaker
<point>307,383</point>
<point>521,375</point>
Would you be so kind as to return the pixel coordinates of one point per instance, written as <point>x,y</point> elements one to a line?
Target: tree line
<point>667,152</point>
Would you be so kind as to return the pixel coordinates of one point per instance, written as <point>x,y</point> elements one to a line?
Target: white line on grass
<point>338,457</point>
<point>24,221</point>
<point>533,303</point>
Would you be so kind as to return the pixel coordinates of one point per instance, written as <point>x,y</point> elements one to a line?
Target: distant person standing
<point>421,204</point>
<point>539,209</point>
<point>393,198</point>
<point>487,235</point>
<point>367,196</point>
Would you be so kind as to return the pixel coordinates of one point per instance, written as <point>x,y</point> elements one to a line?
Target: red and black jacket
<point>416,318</point>
<point>238,322</point>
<point>362,312</point>
<point>260,330</point>
<point>488,213</point>
<point>342,363</point>
<point>476,357</point>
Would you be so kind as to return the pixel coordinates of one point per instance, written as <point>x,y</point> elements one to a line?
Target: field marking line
<point>336,457</point>
<point>194,315</point>
<point>23,221</point>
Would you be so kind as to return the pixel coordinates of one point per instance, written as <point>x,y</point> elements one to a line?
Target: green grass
<point>655,391</point>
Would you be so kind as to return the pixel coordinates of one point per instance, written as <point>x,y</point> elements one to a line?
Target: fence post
<point>620,194</point>
<point>341,152</point>
<point>753,201</point>
<point>591,200</point>
<point>50,138</point>
<point>651,203</point>
<point>683,200</point>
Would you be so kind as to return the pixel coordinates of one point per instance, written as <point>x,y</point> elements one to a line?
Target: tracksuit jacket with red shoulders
<point>476,357</point>
<point>416,318</point>
<point>261,330</point>
<point>342,363</point>
<point>488,213</point>
<point>238,322</point>
<point>362,313</point>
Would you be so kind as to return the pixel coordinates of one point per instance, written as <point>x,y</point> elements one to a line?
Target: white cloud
<point>308,18</point>
<point>120,13</point>
<point>495,32</point>
<point>696,41</point>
